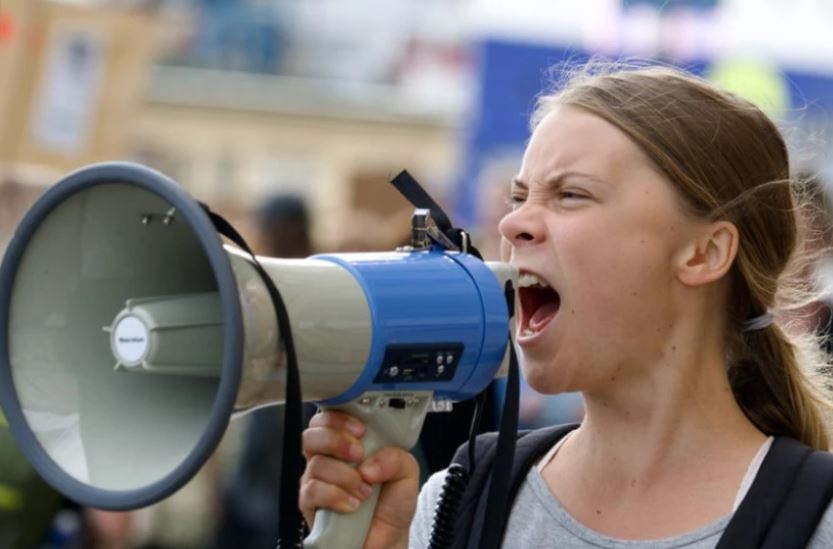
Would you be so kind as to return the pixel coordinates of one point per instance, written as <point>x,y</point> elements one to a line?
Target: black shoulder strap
<point>785,502</point>
<point>806,503</point>
<point>530,447</point>
<point>291,524</point>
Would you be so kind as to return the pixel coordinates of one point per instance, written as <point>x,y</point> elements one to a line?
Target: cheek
<point>620,284</point>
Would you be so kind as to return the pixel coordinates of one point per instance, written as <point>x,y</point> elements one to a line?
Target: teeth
<point>526,280</point>
<point>527,332</point>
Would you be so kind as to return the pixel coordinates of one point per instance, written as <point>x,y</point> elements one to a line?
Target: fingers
<point>332,448</point>
<point>338,421</point>
<point>322,441</point>
<point>397,501</point>
<point>316,494</point>
<point>339,473</point>
<point>334,434</point>
<point>331,484</point>
<point>336,478</point>
<point>389,465</point>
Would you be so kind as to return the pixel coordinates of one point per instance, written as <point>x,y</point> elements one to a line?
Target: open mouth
<point>539,304</point>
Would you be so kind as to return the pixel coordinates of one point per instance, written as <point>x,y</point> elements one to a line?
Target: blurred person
<point>491,201</point>
<point>27,504</point>
<point>654,223</point>
<point>284,228</point>
<point>29,508</point>
<point>368,231</point>
<point>109,529</point>
<point>184,520</point>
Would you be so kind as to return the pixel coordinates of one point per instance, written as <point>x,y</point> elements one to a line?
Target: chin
<point>544,379</point>
<point>553,371</point>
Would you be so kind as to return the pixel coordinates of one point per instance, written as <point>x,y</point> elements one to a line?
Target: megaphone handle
<point>386,426</point>
<point>348,530</point>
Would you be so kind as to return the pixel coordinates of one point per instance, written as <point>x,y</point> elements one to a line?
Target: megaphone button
<point>397,403</point>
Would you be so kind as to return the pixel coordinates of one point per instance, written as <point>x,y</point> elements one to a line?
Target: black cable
<point>479,404</point>
<point>454,486</point>
<point>448,506</point>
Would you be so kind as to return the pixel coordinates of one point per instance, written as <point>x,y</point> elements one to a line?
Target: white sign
<point>69,89</point>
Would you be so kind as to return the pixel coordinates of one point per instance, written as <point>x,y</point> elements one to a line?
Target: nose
<point>522,227</point>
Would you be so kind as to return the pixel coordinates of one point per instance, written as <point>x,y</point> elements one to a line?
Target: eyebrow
<point>559,178</point>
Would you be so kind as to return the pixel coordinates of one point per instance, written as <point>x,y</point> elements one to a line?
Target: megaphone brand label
<point>130,340</point>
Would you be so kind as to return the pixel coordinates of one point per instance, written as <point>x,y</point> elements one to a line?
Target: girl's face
<point>595,222</point>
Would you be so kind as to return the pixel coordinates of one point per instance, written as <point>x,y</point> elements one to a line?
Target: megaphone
<point>130,334</point>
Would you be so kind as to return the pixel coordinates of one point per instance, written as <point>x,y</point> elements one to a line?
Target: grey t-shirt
<point>539,520</point>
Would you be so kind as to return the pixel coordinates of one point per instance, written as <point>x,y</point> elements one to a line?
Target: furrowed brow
<point>518,184</point>
<point>558,180</point>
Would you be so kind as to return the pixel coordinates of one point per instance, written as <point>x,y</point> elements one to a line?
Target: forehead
<point>571,138</point>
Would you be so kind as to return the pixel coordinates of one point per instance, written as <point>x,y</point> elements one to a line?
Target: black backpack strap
<point>806,503</point>
<point>530,447</point>
<point>485,451</point>
<point>785,502</point>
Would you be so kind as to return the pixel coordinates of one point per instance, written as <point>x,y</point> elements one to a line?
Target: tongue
<point>542,315</point>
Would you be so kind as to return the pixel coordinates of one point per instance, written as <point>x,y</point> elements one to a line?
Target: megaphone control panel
<point>419,363</point>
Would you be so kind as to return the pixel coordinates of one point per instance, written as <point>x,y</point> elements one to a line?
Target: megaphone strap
<point>416,195</point>
<point>291,522</point>
<point>496,509</point>
<point>419,197</point>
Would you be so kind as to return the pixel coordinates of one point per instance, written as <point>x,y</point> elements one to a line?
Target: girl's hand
<point>339,478</point>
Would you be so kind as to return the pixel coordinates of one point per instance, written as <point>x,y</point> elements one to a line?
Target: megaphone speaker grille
<point>102,238</point>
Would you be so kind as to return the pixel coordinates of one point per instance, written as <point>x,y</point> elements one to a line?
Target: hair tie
<point>759,322</point>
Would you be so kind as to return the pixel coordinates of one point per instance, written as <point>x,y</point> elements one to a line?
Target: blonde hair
<point>727,160</point>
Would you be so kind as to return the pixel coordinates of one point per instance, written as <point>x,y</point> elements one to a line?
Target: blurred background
<point>290,116</point>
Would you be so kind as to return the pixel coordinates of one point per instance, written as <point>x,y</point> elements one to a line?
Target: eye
<point>571,194</point>
<point>515,200</point>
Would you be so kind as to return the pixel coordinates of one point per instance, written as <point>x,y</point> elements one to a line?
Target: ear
<point>709,256</point>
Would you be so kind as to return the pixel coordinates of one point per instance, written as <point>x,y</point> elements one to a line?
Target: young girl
<point>652,223</point>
